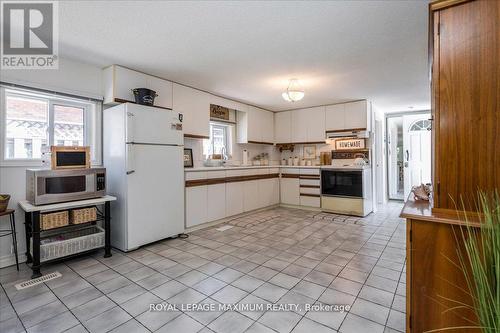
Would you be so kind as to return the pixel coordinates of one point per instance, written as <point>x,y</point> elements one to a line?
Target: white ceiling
<point>340,50</point>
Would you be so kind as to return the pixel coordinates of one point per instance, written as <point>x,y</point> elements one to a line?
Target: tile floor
<point>279,256</point>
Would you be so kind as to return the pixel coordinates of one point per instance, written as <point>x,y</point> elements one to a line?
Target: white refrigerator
<point>143,155</point>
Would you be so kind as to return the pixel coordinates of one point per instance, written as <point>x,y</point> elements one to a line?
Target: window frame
<point>228,135</point>
<point>92,122</point>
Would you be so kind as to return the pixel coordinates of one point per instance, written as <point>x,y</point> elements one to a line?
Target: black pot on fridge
<point>144,96</point>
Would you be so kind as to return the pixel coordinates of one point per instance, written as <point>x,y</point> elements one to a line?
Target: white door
<point>216,207</point>
<point>416,151</point>
<point>146,124</point>
<point>155,194</point>
<point>283,127</point>
<point>289,190</point>
<point>234,198</point>
<point>196,205</point>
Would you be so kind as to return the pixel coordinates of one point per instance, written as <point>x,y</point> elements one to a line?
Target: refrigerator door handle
<point>130,159</point>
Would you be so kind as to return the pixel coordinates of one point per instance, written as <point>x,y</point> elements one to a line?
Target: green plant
<point>480,261</point>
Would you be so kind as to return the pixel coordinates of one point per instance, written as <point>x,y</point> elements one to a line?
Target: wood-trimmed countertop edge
<point>215,181</point>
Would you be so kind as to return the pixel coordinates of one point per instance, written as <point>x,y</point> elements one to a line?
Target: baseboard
<point>314,209</point>
<point>227,219</point>
<point>10,260</point>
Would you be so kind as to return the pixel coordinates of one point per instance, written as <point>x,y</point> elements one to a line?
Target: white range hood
<point>348,134</point>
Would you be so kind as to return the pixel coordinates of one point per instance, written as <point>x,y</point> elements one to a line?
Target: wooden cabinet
<point>433,270</point>
<point>118,83</point>
<point>195,108</point>
<point>255,126</point>
<point>283,127</point>
<point>465,99</point>
<point>196,205</point>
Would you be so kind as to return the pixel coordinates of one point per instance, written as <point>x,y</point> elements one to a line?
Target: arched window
<point>421,125</point>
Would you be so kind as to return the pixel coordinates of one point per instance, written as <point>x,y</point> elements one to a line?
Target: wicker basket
<point>4,202</point>
<point>83,215</point>
<point>71,243</point>
<point>54,220</point>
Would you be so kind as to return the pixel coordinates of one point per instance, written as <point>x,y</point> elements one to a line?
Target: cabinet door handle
<point>130,172</point>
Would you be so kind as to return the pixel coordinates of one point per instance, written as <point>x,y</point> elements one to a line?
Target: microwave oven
<point>44,186</point>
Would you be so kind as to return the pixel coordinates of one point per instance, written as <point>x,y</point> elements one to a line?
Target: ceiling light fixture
<point>294,92</point>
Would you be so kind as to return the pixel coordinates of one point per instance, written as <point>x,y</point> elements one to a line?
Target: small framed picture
<point>310,152</point>
<point>188,158</point>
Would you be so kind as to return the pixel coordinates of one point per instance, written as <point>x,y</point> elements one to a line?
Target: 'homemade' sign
<point>219,112</point>
<point>349,144</point>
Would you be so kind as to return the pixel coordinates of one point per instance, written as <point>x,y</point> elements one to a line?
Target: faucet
<point>223,152</point>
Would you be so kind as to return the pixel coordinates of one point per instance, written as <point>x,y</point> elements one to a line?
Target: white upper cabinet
<point>255,126</point>
<point>335,117</point>
<point>120,81</point>
<point>357,115</point>
<point>164,90</point>
<point>316,124</point>
<point>283,127</point>
<point>299,125</point>
<point>308,125</point>
<point>195,108</point>
<point>348,116</point>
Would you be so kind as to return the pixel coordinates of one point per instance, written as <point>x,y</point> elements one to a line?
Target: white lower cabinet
<point>216,202</point>
<point>234,198</point>
<point>250,195</point>
<point>196,205</point>
<point>310,201</point>
<point>290,191</point>
<point>268,192</point>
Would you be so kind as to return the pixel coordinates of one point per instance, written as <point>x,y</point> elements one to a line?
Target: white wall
<point>71,77</point>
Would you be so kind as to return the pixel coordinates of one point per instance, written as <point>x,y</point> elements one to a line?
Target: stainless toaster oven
<point>45,186</point>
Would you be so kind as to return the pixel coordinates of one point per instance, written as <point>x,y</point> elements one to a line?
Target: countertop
<point>248,167</point>
<point>423,210</point>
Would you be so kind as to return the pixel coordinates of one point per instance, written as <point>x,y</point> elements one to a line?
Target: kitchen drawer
<point>195,175</point>
<point>310,201</point>
<point>263,171</point>
<point>310,182</point>
<point>309,190</point>
<point>216,174</point>
<point>309,171</point>
<point>249,172</point>
<point>294,171</point>
<point>235,173</point>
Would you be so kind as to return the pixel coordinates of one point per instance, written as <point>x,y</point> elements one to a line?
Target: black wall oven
<point>342,183</point>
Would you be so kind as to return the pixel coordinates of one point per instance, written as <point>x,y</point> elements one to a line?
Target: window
<point>421,125</point>
<point>35,121</point>
<point>219,140</point>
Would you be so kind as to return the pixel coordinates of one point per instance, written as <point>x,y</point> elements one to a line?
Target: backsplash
<point>236,154</point>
